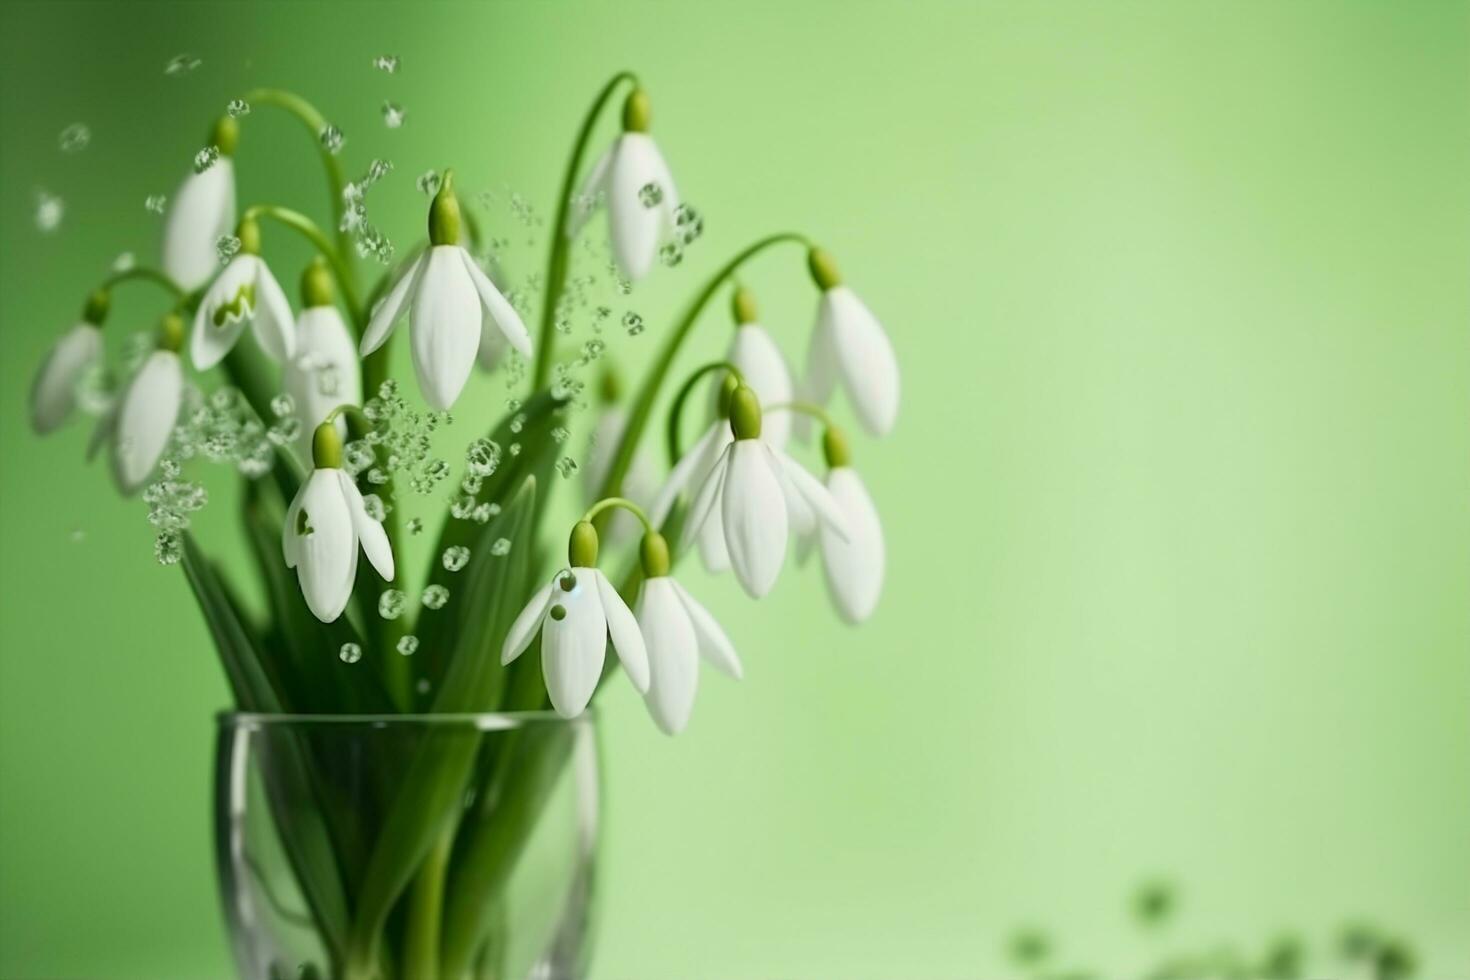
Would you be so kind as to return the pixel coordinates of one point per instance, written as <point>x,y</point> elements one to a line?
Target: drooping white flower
<point>762,366</point>
<point>640,483</point>
<point>200,212</point>
<point>633,179</point>
<point>245,292</point>
<point>54,390</point>
<point>848,345</point>
<point>325,525</point>
<point>450,302</point>
<point>689,474</point>
<point>748,486</point>
<point>576,613</point>
<point>142,422</point>
<point>676,630</point>
<point>853,565</point>
<point>324,372</point>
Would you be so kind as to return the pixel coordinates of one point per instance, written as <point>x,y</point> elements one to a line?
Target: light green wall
<point>1178,504</point>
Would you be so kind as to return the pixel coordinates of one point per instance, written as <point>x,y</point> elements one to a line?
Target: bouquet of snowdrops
<point>328,447</point>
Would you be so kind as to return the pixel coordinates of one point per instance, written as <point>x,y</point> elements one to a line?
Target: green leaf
<point>244,667</point>
<point>431,792</point>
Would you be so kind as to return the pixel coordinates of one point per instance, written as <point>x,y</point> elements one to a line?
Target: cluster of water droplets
<point>171,499</point>
<point>369,239</point>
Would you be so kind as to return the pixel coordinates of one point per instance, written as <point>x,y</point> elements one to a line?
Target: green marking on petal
<point>558,612</point>
<point>239,307</point>
<point>303,527</point>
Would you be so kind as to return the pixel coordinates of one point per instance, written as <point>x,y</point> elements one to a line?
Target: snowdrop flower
<point>245,292</point>
<point>575,614</point>
<point>641,198</point>
<point>324,527</point>
<point>849,346</point>
<point>762,366</point>
<point>143,419</point>
<point>854,564</point>
<point>202,209</point>
<point>748,487</point>
<point>640,483</point>
<point>451,304</point>
<point>54,391</point>
<point>689,473</point>
<point>324,372</point>
<point>676,630</point>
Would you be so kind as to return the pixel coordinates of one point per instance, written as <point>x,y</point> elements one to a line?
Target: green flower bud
<point>834,447</point>
<point>823,268</point>
<point>727,390</point>
<point>745,413</point>
<point>97,306</point>
<point>171,332</point>
<point>637,112</point>
<point>316,284</point>
<point>582,548</point>
<point>444,213</point>
<point>326,447</point>
<point>654,553</point>
<point>225,135</point>
<point>248,231</point>
<point>742,305</point>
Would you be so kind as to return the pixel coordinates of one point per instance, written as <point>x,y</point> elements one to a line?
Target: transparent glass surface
<point>431,847</point>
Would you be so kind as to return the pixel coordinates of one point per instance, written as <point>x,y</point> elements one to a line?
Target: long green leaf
<point>432,789</point>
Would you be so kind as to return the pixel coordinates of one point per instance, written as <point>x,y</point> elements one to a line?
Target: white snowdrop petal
<point>627,641</point>
<point>634,227</point>
<point>816,496</point>
<point>201,210</point>
<point>593,184</point>
<point>705,501</point>
<point>673,666</point>
<point>684,474</point>
<point>573,647</point>
<point>370,533</point>
<point>326,546</point>
<point>444,327</point>
<point>324,349</point>
<point>272,324</point>
<point>290,546</point>
<point>754,511</point>
<point>227,304</point>
<point>523,630</point>
<point>714,644</point>
<point>866,361</point>
<point>712,550</point>
<point>102,432</point>
<point>854,566</point>
<point>391,307</point>
<point>819,378</point>
<point>764,368</point>
<point>145,419</point>
<point>504,318</point>
<point>54,391</point>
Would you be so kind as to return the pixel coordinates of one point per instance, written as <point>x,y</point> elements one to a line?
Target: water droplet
<point>391,603</point>
<point>566,466</point>
<point>482,457</point>
<point>633,323</point>
<point>124,262</point>
<point>332,139</point>
<point>374,506</point>
<point>205,159</point>
<point>500,548</point>
<point>283,404</point>
<point>435,596</point>
<point>350,653</point>
<point>560,434</point>
<point>226,247</point>
<point>456,557</point>
<point>671,254</point>
<point>74,138</point>
<point>284,431</point>
<point>50,209</point>
<point>181,64</point>
<point>168,549</point>
<point>428,183</point>
<point>377,170</point>
<point>416,525</point>
<point>393,115</point>
<point>650,195</point>
<point>408,644</point>
<point>237,108</point>
<point>155,203</point>
<point>386,63</point>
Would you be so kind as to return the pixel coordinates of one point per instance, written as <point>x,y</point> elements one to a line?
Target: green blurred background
<point>1178,505</point>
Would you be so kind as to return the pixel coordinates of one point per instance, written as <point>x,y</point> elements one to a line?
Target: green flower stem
<point>140,273</point>
<point>426,910</point>
<point>609,503</point>
<point>802,408</point>
<point>560,259</point>
<point>643,403</point>
<point>314,122</point>
<point>299,222</point>
<point>676,410</point>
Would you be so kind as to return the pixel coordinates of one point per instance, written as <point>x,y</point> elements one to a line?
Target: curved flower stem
<point>609,503</point>
<point>308,228</point>
<point>559,260</point>
<point>802,408</point>
<point>314,122</point>
<point>676,410</point>
<point>643,404</point>
<point>146,274</point>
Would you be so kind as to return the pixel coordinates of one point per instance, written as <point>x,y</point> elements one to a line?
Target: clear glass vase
<point>407,847</point>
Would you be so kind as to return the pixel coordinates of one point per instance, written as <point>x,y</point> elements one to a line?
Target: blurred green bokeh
<point>1178,504</point>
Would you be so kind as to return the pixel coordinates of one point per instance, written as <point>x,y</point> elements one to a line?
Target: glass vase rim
<point>490,721</point>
